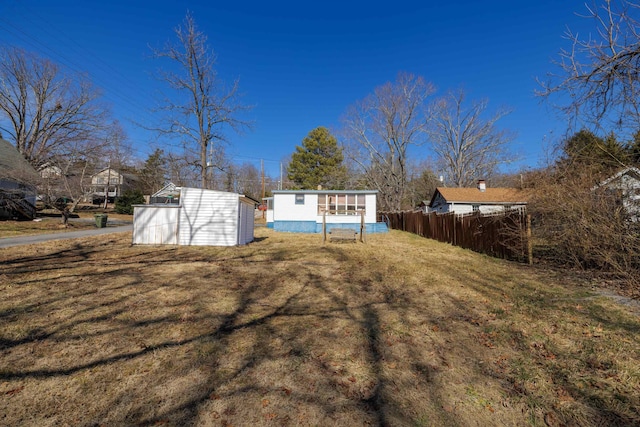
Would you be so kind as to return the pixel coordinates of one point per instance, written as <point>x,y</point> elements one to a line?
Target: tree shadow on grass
<point>255,335</point>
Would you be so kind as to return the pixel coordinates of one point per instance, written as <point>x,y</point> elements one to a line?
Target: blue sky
<point>301,64</point>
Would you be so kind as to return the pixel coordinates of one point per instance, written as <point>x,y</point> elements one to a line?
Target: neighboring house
<point>112,183</point>
<point>17,184</point>
<point>202,218</point>
<point>304,211</point>
<point>169,194</point>
<point>626,186</point>
<point>50,172</point>
<point>480,199</point>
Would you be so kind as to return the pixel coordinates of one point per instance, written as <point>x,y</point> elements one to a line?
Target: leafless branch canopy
<point>600,73</point>
<point>379,130</point>
<point>43,111</point>
<point>467,145</point>
<point>208,107</point>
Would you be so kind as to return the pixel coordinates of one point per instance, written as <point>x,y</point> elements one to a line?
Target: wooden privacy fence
<point>505,235</point>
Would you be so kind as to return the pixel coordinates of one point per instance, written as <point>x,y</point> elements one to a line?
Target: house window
<point>341,204</point>
<point>476,208</point>
<point>299,199</point>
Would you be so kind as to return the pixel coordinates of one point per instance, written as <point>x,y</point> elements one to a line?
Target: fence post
<point>529,242</point>
<point>324,226</point>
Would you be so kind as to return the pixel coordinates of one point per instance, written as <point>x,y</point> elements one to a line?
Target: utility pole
<point>106,193</point>
<point>263,192</point>
<point>262,173</point>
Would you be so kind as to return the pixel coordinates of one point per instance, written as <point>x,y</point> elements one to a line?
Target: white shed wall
<point>208,218</point>
<point>246,223</point>
<point>155,225</point>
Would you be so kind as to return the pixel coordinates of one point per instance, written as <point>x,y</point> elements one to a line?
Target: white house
<point>626,184</point>
<point>304,211</point>
<point>480,199</point>
<point>111,182</point>
<point>203,217</point>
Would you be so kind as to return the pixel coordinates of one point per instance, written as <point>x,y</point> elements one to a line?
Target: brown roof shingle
<point>490,195</point>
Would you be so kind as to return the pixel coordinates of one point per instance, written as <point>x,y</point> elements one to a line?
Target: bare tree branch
<point>379,130</point>
<point>208,107</point>
<point>467,145</point>
<point>44,112</point>
<point>599,75</point>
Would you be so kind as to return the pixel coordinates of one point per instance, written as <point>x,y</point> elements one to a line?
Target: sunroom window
<point>341,204</point>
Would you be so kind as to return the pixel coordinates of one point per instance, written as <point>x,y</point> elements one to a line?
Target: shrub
<point>127,199</point>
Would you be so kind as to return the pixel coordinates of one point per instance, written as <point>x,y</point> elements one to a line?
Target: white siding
<point>460,208</point>
<point>155,225</point>
<point>285,208</point>
<point>246,223</point>
<point>370,205</point>
<point>208,217</point>
<point>463,208</point>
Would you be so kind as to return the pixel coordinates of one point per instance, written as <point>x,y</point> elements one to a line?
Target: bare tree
<point>43,111</point>
<point>600,73</point>
<point>379,131</point>
<point>249,180</point>
<point>208,107</point>
<point>117,148</point>
<point>467,145</point>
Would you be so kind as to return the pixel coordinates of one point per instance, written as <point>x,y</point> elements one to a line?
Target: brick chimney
<point>482,186</point>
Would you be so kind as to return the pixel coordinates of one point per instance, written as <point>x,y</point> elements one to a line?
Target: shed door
<point>155,226</point>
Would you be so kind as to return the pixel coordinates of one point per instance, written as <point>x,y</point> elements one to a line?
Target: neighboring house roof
<point>13,166</point>
<point>475,196</point>
<point>169,190</point>
<point>632,171</point>
<point>128,176</point>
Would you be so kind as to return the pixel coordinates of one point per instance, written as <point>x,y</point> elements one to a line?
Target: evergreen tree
<point>585,149</point>
<point>153,172</point>
<point>124,203</point>
<point>318,162</point>
<point>633,150</point>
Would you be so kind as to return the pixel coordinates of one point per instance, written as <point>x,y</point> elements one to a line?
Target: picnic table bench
<point>342,234</point>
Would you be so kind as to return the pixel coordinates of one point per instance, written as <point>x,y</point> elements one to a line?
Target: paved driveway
<point>27,240</point>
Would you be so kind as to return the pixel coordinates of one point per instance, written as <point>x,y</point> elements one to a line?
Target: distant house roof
<point>488,196</point>
<point>13,165</point>
<point>169,190</point>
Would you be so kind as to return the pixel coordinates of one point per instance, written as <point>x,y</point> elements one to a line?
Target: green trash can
<point>101,220</point>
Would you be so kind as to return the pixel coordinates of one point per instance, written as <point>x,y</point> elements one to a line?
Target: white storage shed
<point>203,217</point>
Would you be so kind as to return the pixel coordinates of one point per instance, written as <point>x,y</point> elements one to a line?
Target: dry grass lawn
<point>401,331</point>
